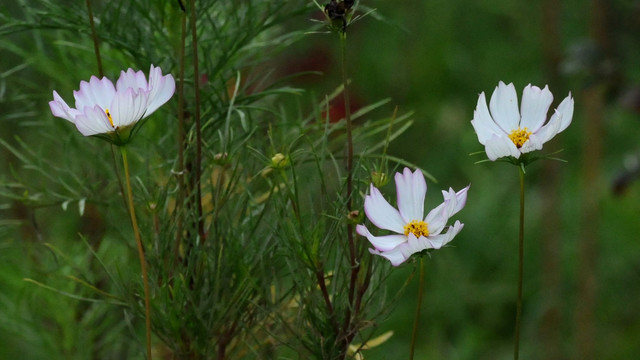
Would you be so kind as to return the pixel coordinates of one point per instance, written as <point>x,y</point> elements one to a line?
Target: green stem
<point>115,169</point>
<point>520,265</point>
<point>387,141</point>
<point>143,266</point>
<point>416,319</point>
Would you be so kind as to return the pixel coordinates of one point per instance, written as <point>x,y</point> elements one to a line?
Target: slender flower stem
<point>94,35</point>
<point>115,169</point>
<point>416,319</point>
<point>520,265</point>
<point>143,266</point>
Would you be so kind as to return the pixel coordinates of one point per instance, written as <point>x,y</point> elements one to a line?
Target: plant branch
<point>325,295</point>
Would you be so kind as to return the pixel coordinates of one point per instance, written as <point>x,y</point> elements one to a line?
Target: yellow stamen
<point>109,116</point>
<point>520,136</point>
<point>417,227</point>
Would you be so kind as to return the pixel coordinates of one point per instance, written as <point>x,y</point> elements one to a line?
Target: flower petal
<point>93,121</point>
<point>60,108</point>
<point>402,252</point>
<point>452,204</point>
<point>534,143</point>
<point>458,200</point>
<point>461,199</point>
<point>437,218</point>
<point>550,130</point>
<point>441,240</point>
<point>535,105</point>
<point>161,89</point>
<point>382,243</point>
<point>128,107</point>
<point>558,122</point>
<point>131,79</point>
<point>381,213</point>
<point>482,122</point>
<point>95,92</point>
<point>501,146</point>
<point>565,109</point>
<point>411,189</point>
<point>396,257</point>
<point>504,107</point>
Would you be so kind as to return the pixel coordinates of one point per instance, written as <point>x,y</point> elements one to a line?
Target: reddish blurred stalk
<point>594,102</point>
<point>94,35</point>
<point>181,132</point>
<point>550,323</point>
<point>197,174</point>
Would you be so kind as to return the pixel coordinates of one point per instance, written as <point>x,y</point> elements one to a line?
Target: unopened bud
<point>221,158</point>
<point>355,217</point>
<point>279,161</point>
<point>379,179</point>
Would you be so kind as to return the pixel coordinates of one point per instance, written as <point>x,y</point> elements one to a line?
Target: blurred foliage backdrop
<point>582,254</point>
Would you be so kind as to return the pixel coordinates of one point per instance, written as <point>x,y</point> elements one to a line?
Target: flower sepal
<point>120,136</point>
<point>338,14</point>
<point>426,253</point>
<point>524,159</point>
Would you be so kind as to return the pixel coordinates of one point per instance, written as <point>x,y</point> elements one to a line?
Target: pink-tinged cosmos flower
<point>111,112</point>
<point>509,132</point>
<point>414,233</point>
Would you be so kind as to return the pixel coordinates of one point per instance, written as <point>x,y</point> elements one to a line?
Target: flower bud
<point>221,158</point>
<point>355,217</point>
<point>279,161</point>
<point>379,179</point>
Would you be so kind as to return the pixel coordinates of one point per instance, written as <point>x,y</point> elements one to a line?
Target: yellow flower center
<point>520,136</point>
<point>109,116</point>
<point>417,227</point>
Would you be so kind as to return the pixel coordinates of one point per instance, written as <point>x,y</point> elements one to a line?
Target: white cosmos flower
<point>414,232</point>
<point>509,132</point>
<point>110,111</point>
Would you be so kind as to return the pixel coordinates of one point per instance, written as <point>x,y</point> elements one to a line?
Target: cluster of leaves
<point>242,187</point>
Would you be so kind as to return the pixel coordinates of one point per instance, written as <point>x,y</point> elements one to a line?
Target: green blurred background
<point>582,254</point>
